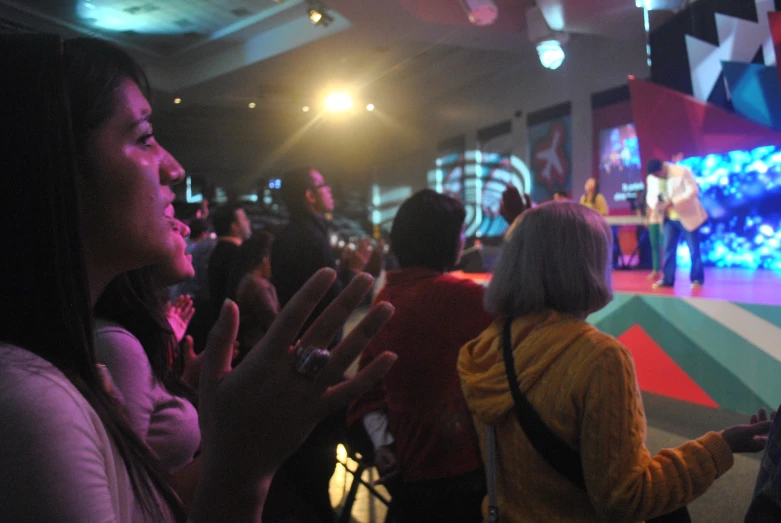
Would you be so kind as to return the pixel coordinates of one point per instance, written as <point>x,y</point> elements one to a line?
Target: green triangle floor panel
<point>726,389</point>
<point>619,300</point>
<point>755,368</point>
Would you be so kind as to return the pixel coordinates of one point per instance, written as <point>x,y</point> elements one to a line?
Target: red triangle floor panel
<point>658,373</point>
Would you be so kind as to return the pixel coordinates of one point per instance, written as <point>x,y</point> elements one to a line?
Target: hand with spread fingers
<point>751,437</point>
<point>179,314</point>
<point>513,203</point>
<point>256,416</point>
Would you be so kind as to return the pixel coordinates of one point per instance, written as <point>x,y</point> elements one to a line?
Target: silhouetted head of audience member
<point>557,258</point>
<point>256,254</point>
<point>560,196</point>
<point>428,231</point>
<point>199,229</point>
<point>305,190</point>
<point>230,220</point>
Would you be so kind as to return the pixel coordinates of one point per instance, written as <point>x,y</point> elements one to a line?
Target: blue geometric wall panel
<point>756,92</point>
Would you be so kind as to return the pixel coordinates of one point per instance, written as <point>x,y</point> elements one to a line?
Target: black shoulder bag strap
<point>551,447</point>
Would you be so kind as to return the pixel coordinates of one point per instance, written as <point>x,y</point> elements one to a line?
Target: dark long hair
<point>596,191</point>
<point>133,301</point>
<point>45,305</point>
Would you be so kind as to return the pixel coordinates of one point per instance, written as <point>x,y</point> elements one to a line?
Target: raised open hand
<point>254,417</point>
<point>761,415</point>
<point>513,203</point>
<point>179,314</point>
<point>747,438</point>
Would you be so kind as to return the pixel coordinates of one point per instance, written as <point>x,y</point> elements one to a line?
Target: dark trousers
<point>299,490</point>
<point>449,500</point>
<point>672,234</point>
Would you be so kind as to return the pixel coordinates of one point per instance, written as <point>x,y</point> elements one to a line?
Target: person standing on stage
<point>593,199</point>
<point>683,214</point>
<point>655,191</point>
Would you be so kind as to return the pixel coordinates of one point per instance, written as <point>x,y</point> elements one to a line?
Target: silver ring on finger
<point>310,360</point>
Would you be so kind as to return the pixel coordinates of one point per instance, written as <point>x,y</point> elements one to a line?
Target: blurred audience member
<point>766,504</point>
<point>561,196</point>
<point>253,292</point>
<point>417,418</point>
<point>232,227</point>
<point>137,342</point>
<point>199,247</point>
<point>581,384</point>
<point>593,199</point>
<point>299,491</point>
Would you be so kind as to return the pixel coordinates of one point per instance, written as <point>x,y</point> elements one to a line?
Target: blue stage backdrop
<point>742,192</point>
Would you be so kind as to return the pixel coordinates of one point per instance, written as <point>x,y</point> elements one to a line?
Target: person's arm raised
<point>256,416</point>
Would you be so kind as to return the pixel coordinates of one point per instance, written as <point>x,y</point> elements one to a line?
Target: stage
<point>718,346</point>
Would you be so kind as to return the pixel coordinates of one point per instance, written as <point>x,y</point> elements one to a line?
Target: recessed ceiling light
<point>177,100</point>
<point>370,107</point>
<point>305,108</point>
<point>252,105</point>
<point>338,102</point>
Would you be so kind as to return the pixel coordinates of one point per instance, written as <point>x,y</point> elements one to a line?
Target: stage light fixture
<point>547,41</point>
<point>370,107</point>
<point>551,53</point>
<point>338,102</point>
<point>252,105</point>
<point>480,12</point>
<point>318,14</point>
<point>177,101</point>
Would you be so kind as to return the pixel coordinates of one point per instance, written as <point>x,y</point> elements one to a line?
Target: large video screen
<point>620,173</point>
<point>742,192</point>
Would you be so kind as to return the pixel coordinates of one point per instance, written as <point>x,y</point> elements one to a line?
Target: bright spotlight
<point>305,108</point>
<point>315,16</point>
<point>370,107</point>
<point>177,101</point>
<point>551,53</point>
<point>318,14</point>
<point>338,102</point>
<point>252,105</point>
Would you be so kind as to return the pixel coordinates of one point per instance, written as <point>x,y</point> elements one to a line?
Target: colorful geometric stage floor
<point>719,346</point>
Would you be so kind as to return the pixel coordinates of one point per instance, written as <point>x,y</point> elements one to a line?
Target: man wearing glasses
<point>299,491</point>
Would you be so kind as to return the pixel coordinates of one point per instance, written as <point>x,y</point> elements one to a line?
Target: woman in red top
<point>417,418</point>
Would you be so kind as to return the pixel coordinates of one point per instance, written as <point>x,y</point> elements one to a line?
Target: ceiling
<point>218,56</point>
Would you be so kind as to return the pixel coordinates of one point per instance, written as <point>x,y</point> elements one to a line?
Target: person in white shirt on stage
<point>683,214</point>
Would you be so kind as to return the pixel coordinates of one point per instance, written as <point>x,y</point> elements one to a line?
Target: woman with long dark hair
<point>84,191</point>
